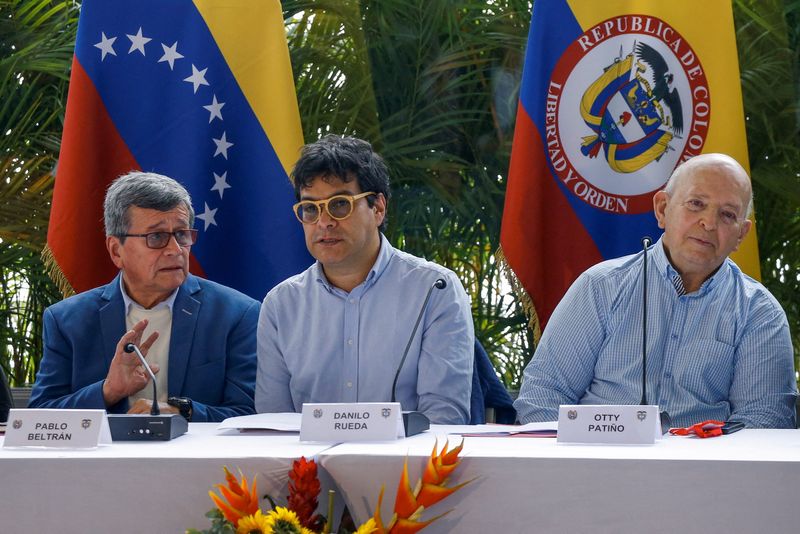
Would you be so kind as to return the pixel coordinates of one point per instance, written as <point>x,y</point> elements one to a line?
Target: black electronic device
<point>143,427</point>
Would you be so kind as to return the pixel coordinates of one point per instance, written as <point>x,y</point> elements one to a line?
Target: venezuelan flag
<point>200,91</point>
<point>614,96</point>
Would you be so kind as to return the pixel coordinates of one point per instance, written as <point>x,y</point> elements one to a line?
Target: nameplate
<point>629,425</point>
<point>354,421</point>
<point>57,429</point>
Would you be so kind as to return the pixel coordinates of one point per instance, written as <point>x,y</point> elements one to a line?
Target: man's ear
<point>746,225</point>
<point>379,208</point>
<point>113,245</point>
<point>660,200</point>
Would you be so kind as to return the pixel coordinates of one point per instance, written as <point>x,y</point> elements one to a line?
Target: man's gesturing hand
<point>126,375</point>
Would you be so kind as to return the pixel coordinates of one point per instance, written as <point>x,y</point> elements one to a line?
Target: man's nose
<point>709,219</point>
<point>325,220</point>
<point>173,247</point>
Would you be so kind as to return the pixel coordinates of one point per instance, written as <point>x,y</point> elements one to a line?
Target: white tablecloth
<point>744,482</point>
<point>138,487</point>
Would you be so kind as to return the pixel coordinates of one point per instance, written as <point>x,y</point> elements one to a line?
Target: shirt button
<point>349,341</point>
<point>349,384</point>
<point>352,301</point>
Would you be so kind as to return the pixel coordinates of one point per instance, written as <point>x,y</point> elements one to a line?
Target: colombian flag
<point>200,91</point>
<point>614,96</point>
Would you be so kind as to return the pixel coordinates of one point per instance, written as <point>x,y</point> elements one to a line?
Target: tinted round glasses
<point>338,207</point>
<point>185,238</point>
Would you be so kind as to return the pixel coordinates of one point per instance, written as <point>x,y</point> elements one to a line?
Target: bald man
<point>718,342</point>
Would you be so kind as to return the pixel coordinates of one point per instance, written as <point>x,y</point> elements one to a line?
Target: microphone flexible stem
<point>440,284</point>
<point>645,243</point>
<point>154,409</point>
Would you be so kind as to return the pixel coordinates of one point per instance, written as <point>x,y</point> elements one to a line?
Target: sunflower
<point>255,524</point>
<point>367,528</point>
<point>285,521</point>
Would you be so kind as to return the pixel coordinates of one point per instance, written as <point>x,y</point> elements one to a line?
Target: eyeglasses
<point>185,238</point>
<point>339,207</point>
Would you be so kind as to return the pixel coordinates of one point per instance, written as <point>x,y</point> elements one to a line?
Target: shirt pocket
<point>704,367</point>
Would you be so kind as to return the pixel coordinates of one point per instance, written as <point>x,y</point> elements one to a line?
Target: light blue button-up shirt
<point>723,352</point>
<point>318,343</point>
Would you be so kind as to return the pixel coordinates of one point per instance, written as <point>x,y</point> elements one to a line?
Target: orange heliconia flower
<point>241,501</point>
<point>432,488</point>
<point>437,472</point>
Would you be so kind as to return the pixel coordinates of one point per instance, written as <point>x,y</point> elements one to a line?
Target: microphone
<point>645,243</point>
<point>130,347</point>
<point>415,422</point>
<point>153,427</point>
<point>666,421</point>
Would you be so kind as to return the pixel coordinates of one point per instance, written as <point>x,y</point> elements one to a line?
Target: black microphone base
<point>666,421</point>
<point>414,423</point>
<point>135,427</point>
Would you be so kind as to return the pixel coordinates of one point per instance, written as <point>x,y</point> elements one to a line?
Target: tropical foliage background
<point>433,84</point>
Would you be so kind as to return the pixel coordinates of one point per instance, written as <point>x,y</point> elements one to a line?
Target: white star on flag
<point>215,109</point>
<point>138,41</point>
<point>106,46</point>
<point>220,183</point>
<point>197,78</point>
<point>170,54</point>
<point>222,146</point>
<point>207,216</point>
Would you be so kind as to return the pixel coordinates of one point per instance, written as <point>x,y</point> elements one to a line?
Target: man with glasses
<point>198,336</point>
<point>718,343</point>
<point>337,332</point>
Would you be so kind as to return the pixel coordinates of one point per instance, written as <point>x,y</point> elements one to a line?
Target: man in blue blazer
<point>198,336</point>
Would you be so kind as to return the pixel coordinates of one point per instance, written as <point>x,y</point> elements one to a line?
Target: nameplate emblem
<point>359,421</point>
<point>628,425</point>
<point>57,429</point>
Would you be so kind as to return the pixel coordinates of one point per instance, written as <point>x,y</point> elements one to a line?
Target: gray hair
<point>146,190</point>
<point>709,159</point>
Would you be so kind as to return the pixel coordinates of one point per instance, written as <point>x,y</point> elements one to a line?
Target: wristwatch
<point>183,404</point>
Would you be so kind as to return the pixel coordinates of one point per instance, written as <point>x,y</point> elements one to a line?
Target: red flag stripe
<point>78,202</point>
<point>85,169</point>
<point>546,252</point>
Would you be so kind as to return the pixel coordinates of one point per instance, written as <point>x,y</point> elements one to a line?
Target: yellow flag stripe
<point>252,38</point>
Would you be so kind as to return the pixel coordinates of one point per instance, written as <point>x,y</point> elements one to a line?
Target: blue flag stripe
<point>249,238</point>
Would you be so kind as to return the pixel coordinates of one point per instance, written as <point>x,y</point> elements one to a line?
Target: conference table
<point>136,486</point>
<point>743,482</point>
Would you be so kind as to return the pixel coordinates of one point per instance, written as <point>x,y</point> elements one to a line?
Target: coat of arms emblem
<point>628,101</point>
<point>634,117</point>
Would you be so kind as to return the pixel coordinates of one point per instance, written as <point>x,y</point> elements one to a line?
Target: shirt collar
<point>381,262</point>
<point>658,255</point>
<point>130,303</point>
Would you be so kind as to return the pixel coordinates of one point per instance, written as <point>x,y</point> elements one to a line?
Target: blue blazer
<point>212,350</point>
